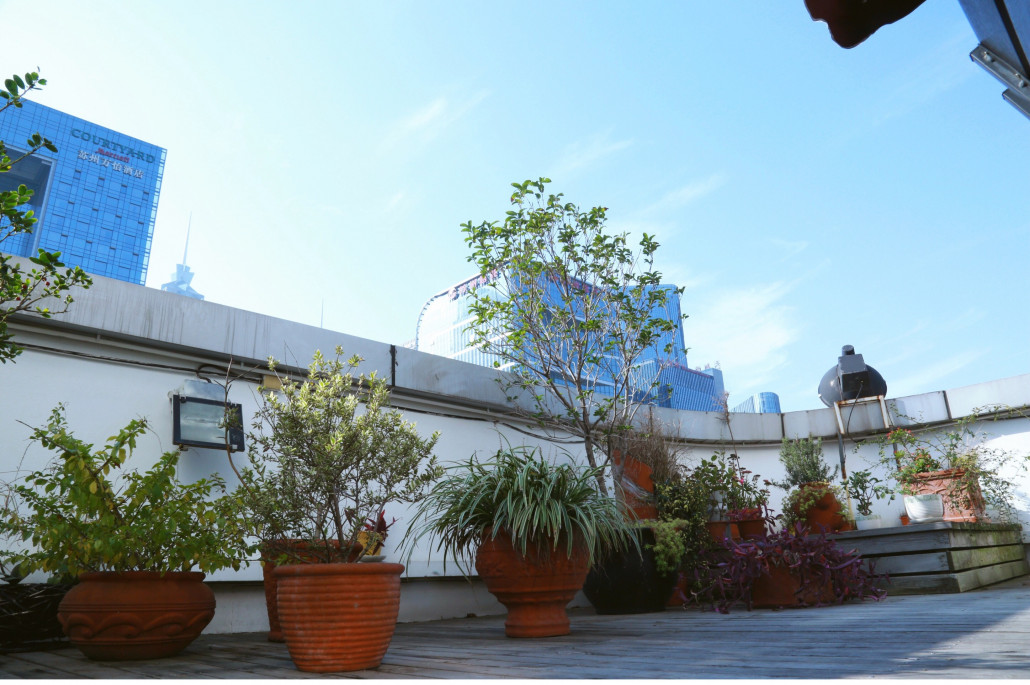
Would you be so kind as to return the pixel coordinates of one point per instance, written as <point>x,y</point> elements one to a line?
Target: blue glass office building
<point>442,329</point>
<point>96,199</point>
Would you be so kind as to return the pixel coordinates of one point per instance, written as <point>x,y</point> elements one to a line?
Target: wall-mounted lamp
<point>201,421</point>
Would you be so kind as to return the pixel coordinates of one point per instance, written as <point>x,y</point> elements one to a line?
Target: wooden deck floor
<point>979,634</point>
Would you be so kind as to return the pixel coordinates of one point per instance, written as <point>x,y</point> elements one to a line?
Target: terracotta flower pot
<point>824,515</point>
<point>749,522</point>
<point>780,589</point>
<point>637,485</point>
<point>270,551</point>
<point>963,500</point>
<point>536,587</point>
<point>338,617</point>
<point>723,529</point>
<point>136,614</point>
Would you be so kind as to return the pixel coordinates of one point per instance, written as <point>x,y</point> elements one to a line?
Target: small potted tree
<point>812,499</point>
<point>533,529</point>
<point>864,489</point>
<point>133,538</point>
<point>319,469</point>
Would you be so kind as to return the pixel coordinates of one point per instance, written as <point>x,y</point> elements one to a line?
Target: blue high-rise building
<point>760,403</point>
<point>443,329</point>
<point>95,199</point>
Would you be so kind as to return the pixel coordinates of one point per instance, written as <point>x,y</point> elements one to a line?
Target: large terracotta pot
<point>136,614</point>
<point>338,617</point>
<point>780,589</point>
<point>637,486</point>
<point>270,551</point>
<point>963,500</point>
<point>824,516</point>
<point>536,587</point>
<point>629,583</point>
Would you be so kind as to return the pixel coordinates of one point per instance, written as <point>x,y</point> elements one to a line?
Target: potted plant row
<point>531,528</point>
<point>326,457</point>
<point>139,542</point>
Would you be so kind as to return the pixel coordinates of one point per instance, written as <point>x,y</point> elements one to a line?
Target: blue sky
<point>805,195</point>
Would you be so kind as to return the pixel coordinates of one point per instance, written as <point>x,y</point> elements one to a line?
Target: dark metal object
<point>1003,29</point>
<point>850,379</point>
<point>852,21</point>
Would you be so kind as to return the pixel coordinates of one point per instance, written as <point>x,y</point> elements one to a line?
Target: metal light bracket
<point>1018,92</point>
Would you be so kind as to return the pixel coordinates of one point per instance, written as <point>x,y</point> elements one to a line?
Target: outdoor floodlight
<point>205,421</point>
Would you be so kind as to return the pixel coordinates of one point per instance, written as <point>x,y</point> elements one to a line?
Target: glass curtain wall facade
<point>95,200</point>
<point>444,320</point>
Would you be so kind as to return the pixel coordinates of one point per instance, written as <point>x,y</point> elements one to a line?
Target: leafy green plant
<point>570,310</point>
<point>803,460</point>
<point>669,545</point>
<point>88,513</point>
<point>539,504</point>
<point>48,283</point>
<point>319,469</point>
<point>908,455</point>
<point>864,488</point>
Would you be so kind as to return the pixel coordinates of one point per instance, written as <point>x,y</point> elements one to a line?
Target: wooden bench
<point>928,558</point>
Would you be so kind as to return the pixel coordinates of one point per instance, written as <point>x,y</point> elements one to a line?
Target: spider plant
<point>539,504</point>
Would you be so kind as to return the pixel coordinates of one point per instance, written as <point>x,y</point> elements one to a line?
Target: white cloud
<point>691,192</point>
<point>583,153</point>
<point>429,121</point>
<point>746,330</point>
<point>931,376</point>
<point>790,247</point>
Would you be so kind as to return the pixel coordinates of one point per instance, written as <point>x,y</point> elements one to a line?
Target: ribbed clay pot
<point>136,614</point>
<point>270,551</point>
<point>338,617</point>
<point>536,587</point>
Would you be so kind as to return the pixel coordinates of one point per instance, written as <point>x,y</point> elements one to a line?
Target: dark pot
<point>628,583</point>
<point>28,613</point>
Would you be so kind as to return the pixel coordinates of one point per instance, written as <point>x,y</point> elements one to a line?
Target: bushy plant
<point>803,460</point>
<point>907,455</point>
<point>864,488</point>
<point>319,469</point>
<point>815,561</point>
<point>86,512</point>
<point>539,504</point>
<point>799,501</point>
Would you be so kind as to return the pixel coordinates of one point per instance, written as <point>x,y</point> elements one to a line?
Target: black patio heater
<point>849,383</point>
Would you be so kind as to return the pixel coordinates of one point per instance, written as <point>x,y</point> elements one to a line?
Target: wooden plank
<point>962,559</point>
<point>984,538</point>
<point>927,562</point>
<point>988,575</point>
<point>899,543</point>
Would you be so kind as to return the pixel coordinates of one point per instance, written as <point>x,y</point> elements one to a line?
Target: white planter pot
<point>924,508</point>
<point>870,522</point>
